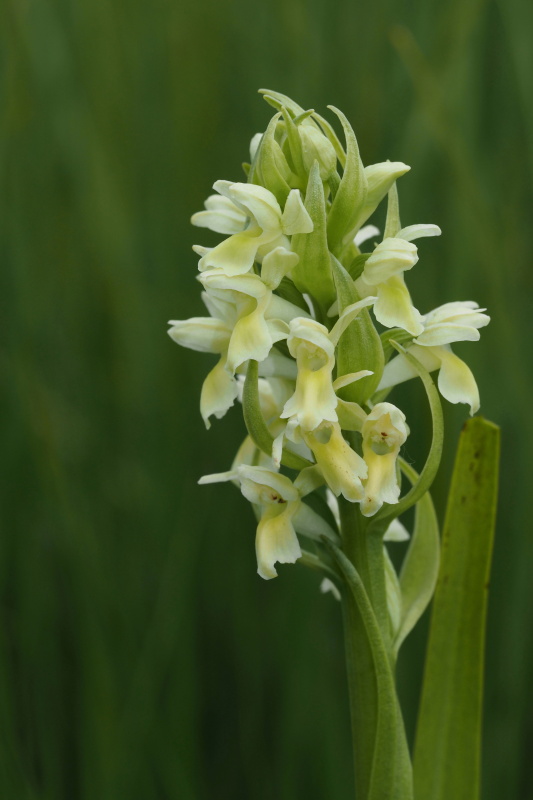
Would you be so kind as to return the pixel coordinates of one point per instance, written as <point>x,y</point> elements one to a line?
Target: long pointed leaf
<point>448,740</point>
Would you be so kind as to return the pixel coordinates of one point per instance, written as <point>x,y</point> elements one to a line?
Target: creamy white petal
<point>394,307</point>
<point>446,333</point>
<point>276,265</point>
<point>396,532</point>
<point>251,338</point>
<point>261,204</point>
<point>235,255</point>
<point>348,316</point>
<point>367,232</point>
<point>398,370</point>
<point>248,284</point>
<point>276,540</point>
<point>328,586</point>
<point>221,215</point>
<point>381,485</point>
<point>314,399</point>
<point>342,468</point>
<point>390,258</point>
<point>456,381</point>
<point>204,334</point>
<point>219,477</point>
<point>219,392</point>
<point>308,523</point>
<point>412,232</point>
<point>295,217</point>
<point>268,486</point>
<point>346,380</point>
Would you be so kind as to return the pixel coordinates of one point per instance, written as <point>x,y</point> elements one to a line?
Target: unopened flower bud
<point>317,147</point>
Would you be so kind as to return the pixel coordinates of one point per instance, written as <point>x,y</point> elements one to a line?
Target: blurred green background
<point>141,657</point>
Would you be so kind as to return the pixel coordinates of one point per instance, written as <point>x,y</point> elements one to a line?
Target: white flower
<point>452,322</point>
<point>210,335</point>
<point>383,276</point>
<point>384,432</point>
<point>342,468</point>
<point>281,512</point>
<point>256,224</point>
<point>313,347</point>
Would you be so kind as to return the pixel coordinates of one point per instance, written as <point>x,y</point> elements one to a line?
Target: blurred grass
<point>141,657</point>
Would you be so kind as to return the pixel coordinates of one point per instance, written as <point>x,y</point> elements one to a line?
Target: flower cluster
<point>296,308</point>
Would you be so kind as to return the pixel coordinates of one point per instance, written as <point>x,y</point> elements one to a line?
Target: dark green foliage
<point>141,657</point>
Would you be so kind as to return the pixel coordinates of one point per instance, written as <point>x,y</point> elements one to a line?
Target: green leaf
<point>350,197</point>
<point>448,739</point>
<point>427,476</point>
<point>420,568</point>
<point>389,770</point>
<point>360,345</point>
<point>255,423</point>
<point>312,274</point>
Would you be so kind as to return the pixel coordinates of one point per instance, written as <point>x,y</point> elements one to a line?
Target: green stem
<point>381,758</point>
<point>365,551</point>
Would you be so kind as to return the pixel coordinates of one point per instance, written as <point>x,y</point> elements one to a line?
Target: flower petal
<point>219,391</point>
<point>234,256</point>
<point>394,307</point>
<point>456,381</point>
<point>204,334</point>
<point>260,203</point>
<point>251,338</point>
<point>276,540</point>
<point>221,215</point>
<point>276,265</point>
<point>412,232</point>
<point>367,232</point>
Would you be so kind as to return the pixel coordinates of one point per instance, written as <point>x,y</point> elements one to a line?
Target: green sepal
<point>390,774</point>
<point>312,274</point>
<point>420,567</point>
<point>246,167</point>
<point>350,198</point>
<point>255,422</point>
<point>359,346</point>
<point>427,476</point>
<point>447,751</point>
